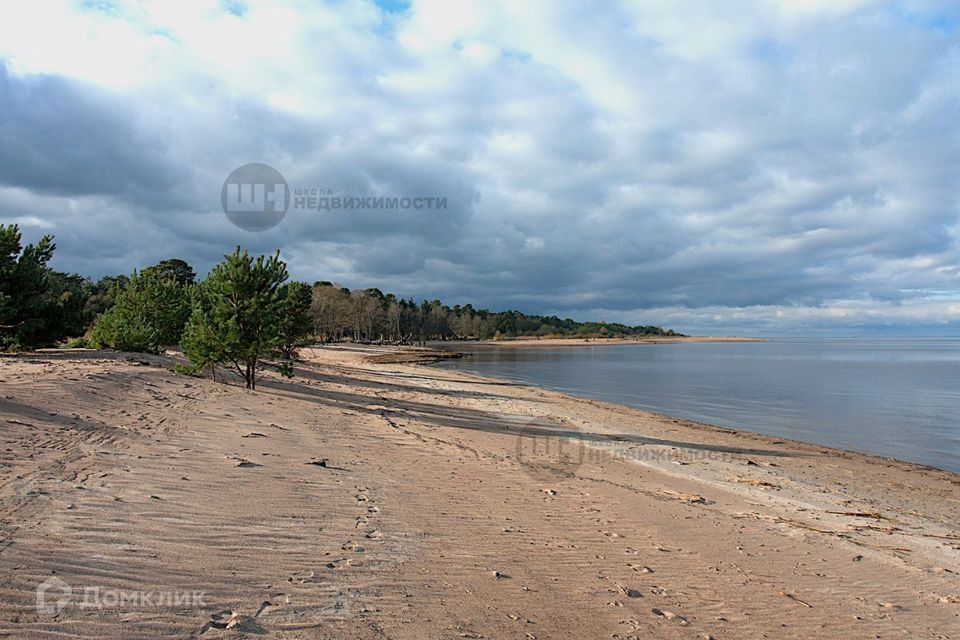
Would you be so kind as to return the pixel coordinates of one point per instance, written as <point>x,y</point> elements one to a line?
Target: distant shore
<point>435,351</point>
<point>592,342</point>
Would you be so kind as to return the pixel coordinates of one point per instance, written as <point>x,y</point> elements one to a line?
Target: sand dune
<point>391,500</point>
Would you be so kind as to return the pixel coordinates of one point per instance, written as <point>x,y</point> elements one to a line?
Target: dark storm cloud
<point>62,138</point>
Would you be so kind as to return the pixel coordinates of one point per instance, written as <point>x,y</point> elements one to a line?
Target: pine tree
<point>25,289</point>
<point>296,321</point>
<point>237,312</point>
<point>176,269</point>
<point>149,314</point>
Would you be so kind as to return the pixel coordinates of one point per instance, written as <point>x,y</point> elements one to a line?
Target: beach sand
<point>393,500</point>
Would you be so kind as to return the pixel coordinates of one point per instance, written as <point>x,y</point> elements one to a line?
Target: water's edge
<point>856,412</point>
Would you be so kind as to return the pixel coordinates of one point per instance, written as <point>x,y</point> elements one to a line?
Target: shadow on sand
<point>460,418</point>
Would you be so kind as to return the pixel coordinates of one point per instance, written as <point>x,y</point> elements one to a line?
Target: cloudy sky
<point>759,167</point>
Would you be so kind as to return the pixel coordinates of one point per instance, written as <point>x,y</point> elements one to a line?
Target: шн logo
<point>255,197</point>
<point>547,456</point>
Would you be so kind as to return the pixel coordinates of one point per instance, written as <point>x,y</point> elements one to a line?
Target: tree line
<point>243,312</point>
<point>369,315</point>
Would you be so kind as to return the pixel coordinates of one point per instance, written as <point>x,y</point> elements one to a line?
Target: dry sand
<point>392,500</point>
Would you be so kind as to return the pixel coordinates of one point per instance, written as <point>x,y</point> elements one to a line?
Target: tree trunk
<point>250,375</point>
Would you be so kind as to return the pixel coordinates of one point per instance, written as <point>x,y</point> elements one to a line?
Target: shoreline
<point>367,499</point>
<point>591,342</point>
<point>427,361</point>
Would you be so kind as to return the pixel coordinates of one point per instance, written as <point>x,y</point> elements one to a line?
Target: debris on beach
<point>630,593</point>
<point>232,620</point>
<point>303,577</point>
<point>860,514</point>
<point>757,483</point>
<point>689,498</point>
<point>669,615</point>
<point>796,599</point>
<point>266,604</point>
<point>640,568</point>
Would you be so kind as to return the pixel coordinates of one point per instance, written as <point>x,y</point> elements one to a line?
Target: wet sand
<point>392,500</point>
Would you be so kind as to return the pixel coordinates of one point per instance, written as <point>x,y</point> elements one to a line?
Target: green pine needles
<point>237,316</point>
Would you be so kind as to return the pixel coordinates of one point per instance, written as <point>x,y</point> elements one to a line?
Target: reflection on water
<point>897,398</point>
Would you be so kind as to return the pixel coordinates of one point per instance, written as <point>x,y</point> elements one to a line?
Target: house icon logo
<point>53,595</point>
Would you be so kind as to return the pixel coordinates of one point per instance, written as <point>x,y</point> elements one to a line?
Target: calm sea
<point>894,397</point>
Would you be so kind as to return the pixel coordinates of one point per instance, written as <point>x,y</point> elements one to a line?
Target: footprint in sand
<point>232,620</point>
<point>338,563</point>
<point>669,615</point>
<point>242,462</point>
<point>303,577</point>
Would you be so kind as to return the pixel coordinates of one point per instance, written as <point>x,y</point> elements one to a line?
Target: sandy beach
<point>385,499</point>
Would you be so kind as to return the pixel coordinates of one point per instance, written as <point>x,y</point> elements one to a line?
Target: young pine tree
<point>149,314</point>
<point>296,321</point>
<point>237,312</point>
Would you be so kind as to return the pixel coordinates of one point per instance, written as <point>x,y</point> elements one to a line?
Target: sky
<point>750,167</point>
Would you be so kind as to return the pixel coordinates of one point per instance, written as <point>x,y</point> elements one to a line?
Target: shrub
<point>148,316</point>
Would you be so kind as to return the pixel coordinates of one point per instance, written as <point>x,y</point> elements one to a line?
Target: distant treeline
<point>150,309</point>
<point>371,315</point>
